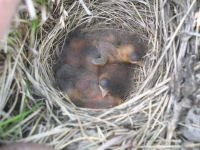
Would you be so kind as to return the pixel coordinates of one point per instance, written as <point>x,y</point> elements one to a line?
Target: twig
<point>85,7</point>
<point>110,143</point>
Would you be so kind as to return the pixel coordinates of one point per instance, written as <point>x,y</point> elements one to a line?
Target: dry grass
<point>145,120</point>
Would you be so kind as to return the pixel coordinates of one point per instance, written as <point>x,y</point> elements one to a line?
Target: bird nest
<point>32,110</point>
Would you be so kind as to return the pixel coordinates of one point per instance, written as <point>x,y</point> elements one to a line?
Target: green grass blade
<point>6,122</point>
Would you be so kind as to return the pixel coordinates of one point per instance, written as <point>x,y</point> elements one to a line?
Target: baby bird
<point>66,76</point>
<point>82,87</point>
<point>78,53</point>
<point>91,96</point>
<point>74,82</point>
<point>114,79</point>
<point>95,73</point>
<point>117,47</point>
<point>77,43</point>
<point>87,55</point>
<point>71,52</point>
<point>127,53</point>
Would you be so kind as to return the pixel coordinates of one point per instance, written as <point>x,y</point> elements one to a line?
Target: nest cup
<point>106,15</point>
<point>141,119</point>
<point>74,18</point>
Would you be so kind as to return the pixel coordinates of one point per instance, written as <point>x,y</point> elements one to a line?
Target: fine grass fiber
<point>148,119</point>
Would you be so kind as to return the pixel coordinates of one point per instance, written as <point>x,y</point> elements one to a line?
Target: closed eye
<point>104,82</point>
<point>95,52</point>
<point>133,56</point>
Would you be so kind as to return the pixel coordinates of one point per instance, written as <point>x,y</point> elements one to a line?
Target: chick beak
<point>102,60</point>
<point>104,92</point>
<point>139,63</point>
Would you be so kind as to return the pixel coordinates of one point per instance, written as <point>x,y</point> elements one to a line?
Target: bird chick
<point>114,79</point>
<point>107,51</point>
<point>71,57</point>
<point>87,84</point>
<point>87,55</point>
<point>122,53</point>
<point>128,53</point>
<point>77,43</point>
<point>82,87</point>
<point>78,52</point>
<point>71,53</point>
<point>67,75</point>
<point>90,94</point>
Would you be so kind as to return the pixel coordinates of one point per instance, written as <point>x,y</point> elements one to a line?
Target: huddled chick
<point>115,79</point>
<point>95,72</point>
